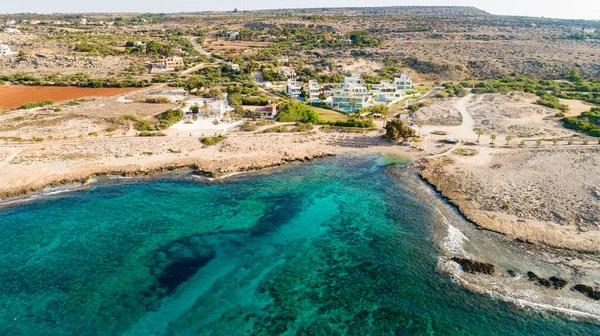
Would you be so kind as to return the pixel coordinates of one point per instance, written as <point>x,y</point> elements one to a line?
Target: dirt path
<point>463,132</point>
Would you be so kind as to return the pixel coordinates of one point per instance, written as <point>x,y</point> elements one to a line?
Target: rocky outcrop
<point>474,267</point>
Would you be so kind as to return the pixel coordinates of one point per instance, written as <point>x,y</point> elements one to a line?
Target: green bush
<point>157,100</point>
<point>248,127</point>
<point>297,112</point>
<point>552,102</point>
<point>587,122</point>
<point>31,105</point>
<point>211,141</point>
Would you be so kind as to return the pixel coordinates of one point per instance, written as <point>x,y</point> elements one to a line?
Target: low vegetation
<point>31,105</point>
<point>587,122</point>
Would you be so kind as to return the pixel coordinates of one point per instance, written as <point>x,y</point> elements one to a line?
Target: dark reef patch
<point>554,281</point>
<point>472,266</point>
<point>181,270</point>
<point>588,291</point>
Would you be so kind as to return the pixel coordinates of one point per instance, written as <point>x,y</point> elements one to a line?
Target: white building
<point>208,107</point>
<point>404,82</point>
<point>5,50</point>
<point>387,92</point>
<point>293,88</point>
<point>286,71</point>
<point>83,21</point>
<point>234,67</point>
<point>351,95</point>
<point>313,92</point>
<point>11,22</point>
<point>589,30</point>
<point>233,35</point>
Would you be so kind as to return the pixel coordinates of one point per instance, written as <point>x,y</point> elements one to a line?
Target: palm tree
<point>479,133</point>
<point>508,138</point>
<point>493,137</point>
<point>538,142</point>
<point>205,109</point>
<point>352,104</point>
<point>554,141</point>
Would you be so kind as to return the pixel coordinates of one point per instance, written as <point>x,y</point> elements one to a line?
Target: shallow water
<point>336,247</point>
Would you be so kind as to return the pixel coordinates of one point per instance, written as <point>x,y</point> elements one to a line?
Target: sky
<point>573,9</point>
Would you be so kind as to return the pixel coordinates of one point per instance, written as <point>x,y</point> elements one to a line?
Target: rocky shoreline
<point>202,167</point>
<point>459,190</point>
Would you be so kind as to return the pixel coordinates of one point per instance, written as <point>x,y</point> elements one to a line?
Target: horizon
<point>504,9</point>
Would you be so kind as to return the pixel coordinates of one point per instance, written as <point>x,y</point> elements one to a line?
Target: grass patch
<point>328,115</point>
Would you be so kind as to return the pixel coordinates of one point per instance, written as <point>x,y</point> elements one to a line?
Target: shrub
<point>300,127</point>
<point>93,134</point>
<point>31,105</point>
<point>552,102</point>
<point>297,112</point>
<point>248,127</point>
<point>111,129</point>
<point>211,141</point>
<point>157,100</point>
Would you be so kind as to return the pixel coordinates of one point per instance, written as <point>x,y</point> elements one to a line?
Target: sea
<point>339,246</point>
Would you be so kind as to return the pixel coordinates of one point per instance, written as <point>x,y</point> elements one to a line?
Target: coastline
<point>457,188</point>
<point>203,165</point>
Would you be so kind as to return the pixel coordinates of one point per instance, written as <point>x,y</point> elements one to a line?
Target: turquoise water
<point>336,247</point>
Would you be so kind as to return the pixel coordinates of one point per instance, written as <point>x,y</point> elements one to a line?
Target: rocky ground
<point>441,112</point>
<point>546,195</point>
<point>515,114</point>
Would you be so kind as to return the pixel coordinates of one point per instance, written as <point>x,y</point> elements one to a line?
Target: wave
<point>498,288</point>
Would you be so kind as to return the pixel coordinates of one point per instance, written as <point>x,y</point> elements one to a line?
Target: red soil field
<point>13,96</point>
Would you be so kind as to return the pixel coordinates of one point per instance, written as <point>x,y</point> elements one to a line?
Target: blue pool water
<point>337,247</point>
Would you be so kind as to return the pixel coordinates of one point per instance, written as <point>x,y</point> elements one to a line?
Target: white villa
<point>404,82</point>
<point>5,50</point>
<point>353,93</point>
<point>287,71</point>
<point>233,35</point>
<point>208,107</point>
<point>293,88</point>
<point>314,90</point>
<point>211,117</point>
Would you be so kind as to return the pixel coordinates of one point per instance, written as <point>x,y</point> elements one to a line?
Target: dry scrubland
<point>438,112</point>
<point>515,114</point>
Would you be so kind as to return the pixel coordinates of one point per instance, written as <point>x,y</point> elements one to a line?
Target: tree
<point>297,112</point>
<point>508,138</point>
<point>522,143</point>
<point>352,104</point>
<point>215,93</point>
<point>574,75</point>
<point>554,141</point>
<point>379,109</point>
<point>479,133</point>
<point>397,129</point>
<point>493,137</point>
<point>570,141</point>
<point>420,126</point>
<point>195,109</point>
<point>205,109</point>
